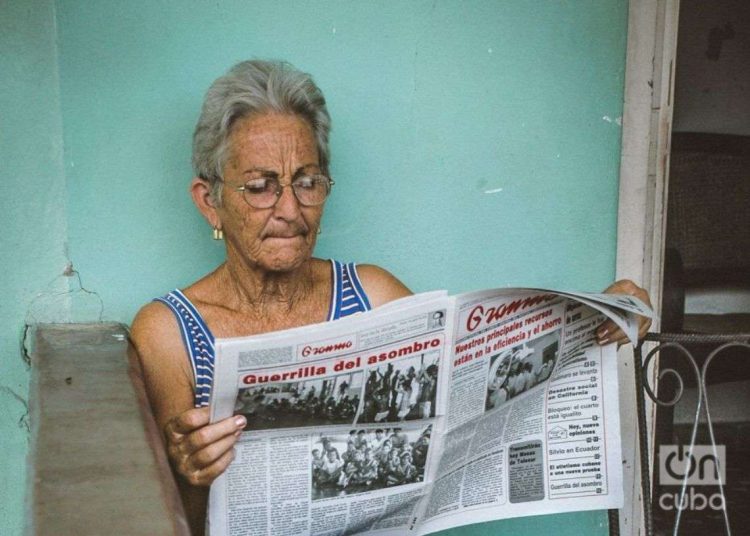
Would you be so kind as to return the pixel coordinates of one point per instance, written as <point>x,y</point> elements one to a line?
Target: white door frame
<point>644,170</point>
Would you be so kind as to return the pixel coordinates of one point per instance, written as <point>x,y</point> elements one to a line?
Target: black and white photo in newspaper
<point>540,438</point>
<point>339,435</point>
<point>434,413</point>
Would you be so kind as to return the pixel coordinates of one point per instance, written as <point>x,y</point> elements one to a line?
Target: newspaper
<point>431,412</point>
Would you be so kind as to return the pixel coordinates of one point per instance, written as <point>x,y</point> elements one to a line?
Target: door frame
<point>642,211</point>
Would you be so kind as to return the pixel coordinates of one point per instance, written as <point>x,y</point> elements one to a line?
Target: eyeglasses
<point>264,192</point>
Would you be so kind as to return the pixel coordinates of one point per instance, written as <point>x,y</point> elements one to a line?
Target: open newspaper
<point>431,412</point>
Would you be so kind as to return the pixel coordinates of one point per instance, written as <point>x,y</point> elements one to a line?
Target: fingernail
<point>238,433</point>
<point>602,333</point>
<point>240,421</point>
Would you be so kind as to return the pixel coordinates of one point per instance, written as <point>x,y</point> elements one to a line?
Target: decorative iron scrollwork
<point>676,341</point>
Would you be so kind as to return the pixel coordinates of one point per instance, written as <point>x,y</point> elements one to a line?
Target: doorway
<point>685,135</point>
<point>706,274</point>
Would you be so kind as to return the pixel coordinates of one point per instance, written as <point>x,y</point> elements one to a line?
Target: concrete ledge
<point>97,464</point>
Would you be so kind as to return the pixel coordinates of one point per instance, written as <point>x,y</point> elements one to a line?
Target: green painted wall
<point>475,144</point>
<point>434,105</point>
<point>33,211</point>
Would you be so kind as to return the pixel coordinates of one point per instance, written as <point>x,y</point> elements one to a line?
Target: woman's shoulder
<point>380,285</point>
<point>152,314</point>
<point>155,331</point>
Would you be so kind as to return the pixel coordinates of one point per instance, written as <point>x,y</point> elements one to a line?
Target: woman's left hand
<point>609,332</point>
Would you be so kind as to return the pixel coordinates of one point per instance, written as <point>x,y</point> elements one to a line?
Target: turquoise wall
<point>475,144</point>
<point>33,212</point>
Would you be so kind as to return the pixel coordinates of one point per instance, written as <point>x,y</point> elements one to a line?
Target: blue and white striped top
<point>347,298</point>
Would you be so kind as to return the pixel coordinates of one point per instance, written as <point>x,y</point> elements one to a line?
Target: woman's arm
<point>198,451</point>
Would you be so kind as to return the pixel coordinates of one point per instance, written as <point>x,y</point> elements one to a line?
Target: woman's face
<point>282,237</point>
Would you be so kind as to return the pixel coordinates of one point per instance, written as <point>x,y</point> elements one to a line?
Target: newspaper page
<point>528,430</point>
<point>340,422</point>
<point>429,413</point>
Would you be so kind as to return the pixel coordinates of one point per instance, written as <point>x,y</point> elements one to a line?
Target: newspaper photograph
<point>367,460</point>
<point>435,412</point>
<point>354,402</point>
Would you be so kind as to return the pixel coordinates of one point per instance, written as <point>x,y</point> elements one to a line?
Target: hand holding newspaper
<point>431,412</point>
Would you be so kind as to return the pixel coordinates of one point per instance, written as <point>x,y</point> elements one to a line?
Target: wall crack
<point>23,421</point>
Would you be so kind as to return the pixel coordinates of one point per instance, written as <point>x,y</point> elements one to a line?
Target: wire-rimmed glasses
<point>264,192</point>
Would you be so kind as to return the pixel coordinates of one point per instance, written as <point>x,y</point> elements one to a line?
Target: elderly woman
<point>261,159</point>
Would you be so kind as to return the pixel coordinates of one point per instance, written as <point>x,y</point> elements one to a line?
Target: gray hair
<point>254,87</point>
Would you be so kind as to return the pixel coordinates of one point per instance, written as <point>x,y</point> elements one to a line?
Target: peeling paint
<point>26,344</point>
<point>617,120</point>
<point>493,191</point>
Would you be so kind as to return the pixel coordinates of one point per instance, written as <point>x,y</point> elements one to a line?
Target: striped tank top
<point>347,298</point>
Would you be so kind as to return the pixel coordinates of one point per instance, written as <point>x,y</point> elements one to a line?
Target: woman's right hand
<point>200,451</point>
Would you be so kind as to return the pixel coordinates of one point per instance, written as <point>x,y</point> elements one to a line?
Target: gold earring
<point>218,234</point>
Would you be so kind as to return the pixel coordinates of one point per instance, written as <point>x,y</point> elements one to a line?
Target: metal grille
<point>679,343</point>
